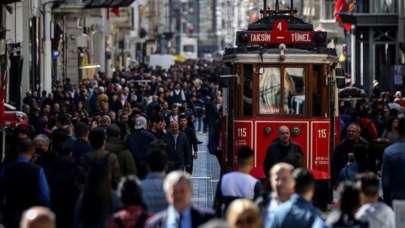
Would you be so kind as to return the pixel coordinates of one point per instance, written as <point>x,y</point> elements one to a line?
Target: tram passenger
<point>283,150</point>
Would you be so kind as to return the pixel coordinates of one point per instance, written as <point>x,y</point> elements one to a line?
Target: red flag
<point>343,6</point>
<point>116,11</point>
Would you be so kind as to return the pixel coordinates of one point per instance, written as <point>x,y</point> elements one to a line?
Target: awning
<point>5,2</point>
<point>108,3</point>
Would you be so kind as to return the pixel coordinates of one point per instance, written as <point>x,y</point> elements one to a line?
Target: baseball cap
<point>140,122</point>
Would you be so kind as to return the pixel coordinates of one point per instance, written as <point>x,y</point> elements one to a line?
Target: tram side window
<point>270,90</point>
<point>248,90</point>
<point>294,91</point>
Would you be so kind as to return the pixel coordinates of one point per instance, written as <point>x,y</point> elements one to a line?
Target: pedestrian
<point>97,140</point>
<point>158,127</point>
<point>178,148</point>
<point>340,156</point>
<point>152,185</point>
<point>138,143</point>
<point>23,184</point>
<point>390,133</point>
<point>282,184</point>
<point>376,214</point>
<point>117,146</point>
<point>349,203</point>
<point>96,203</point>
<point>283,150</point>
<point>134,213</point>
<point>180,212</point>
<point>38,217</point>
<point>81,145</point>
<point>239,183</point>
<point>393,166</point>
<point>192,141</point>
<point>298,211</point>
<point>243,213</point>
<point>43,156</point>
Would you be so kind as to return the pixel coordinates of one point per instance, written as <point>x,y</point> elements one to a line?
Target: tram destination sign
<point>280,35</point>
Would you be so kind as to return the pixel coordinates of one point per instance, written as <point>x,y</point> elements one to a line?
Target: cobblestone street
<point>205,175</point>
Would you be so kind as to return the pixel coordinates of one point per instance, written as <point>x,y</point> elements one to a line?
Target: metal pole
<point>3,144</point>
<point>277,5</point>
<point>46,81</point>
<point>353,54</point>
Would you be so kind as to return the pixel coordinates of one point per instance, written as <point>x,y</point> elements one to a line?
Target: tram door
<point>275,95</point>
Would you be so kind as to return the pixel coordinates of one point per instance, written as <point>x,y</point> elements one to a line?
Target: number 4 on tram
<point>280,73</point>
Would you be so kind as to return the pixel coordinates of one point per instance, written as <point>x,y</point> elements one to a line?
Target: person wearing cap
<point>138,143</point>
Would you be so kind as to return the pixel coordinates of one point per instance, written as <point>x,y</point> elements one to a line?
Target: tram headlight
<point>282,48</point>
<point>242,38</point>
<point>296,131</point>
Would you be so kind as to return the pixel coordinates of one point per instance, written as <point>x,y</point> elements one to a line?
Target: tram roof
<point>272,55</point>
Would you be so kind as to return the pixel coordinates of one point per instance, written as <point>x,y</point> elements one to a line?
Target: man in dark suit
<point>192,141</point>
<point>180,213</point>
<point>283,150</point>
<point>180,156</point>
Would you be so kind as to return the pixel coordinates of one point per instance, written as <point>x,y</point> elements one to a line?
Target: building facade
<point>377,38</point>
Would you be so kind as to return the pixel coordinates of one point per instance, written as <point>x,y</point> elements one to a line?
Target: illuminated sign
<point>280,35</point>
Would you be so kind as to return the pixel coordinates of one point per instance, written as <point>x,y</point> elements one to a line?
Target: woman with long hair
<point>349,203</point>
<point>390,133</point>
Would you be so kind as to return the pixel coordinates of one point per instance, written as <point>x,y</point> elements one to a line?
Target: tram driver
<point>283,150</point>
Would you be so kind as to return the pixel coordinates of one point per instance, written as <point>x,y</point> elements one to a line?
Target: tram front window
<point>294,91</point>
<point>270,90</point>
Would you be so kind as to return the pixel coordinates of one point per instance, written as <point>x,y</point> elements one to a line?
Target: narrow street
<point>205,175</point>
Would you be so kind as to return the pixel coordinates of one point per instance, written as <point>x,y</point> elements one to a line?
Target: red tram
<point>280,73</point>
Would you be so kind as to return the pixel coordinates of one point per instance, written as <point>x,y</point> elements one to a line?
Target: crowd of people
<point>119,153</point>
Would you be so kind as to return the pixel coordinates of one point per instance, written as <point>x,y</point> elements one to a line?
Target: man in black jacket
<point>179,151</point>
<point>138,143</point>
<point>353,144</point>
<point>283,150</point>
<point>192,140</point>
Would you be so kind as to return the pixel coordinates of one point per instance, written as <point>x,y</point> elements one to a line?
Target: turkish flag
<point>116,11</point>
<point>341,6</point>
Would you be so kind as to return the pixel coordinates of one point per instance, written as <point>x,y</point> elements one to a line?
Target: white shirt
<point>238,184</point>
<point>378,215</point>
